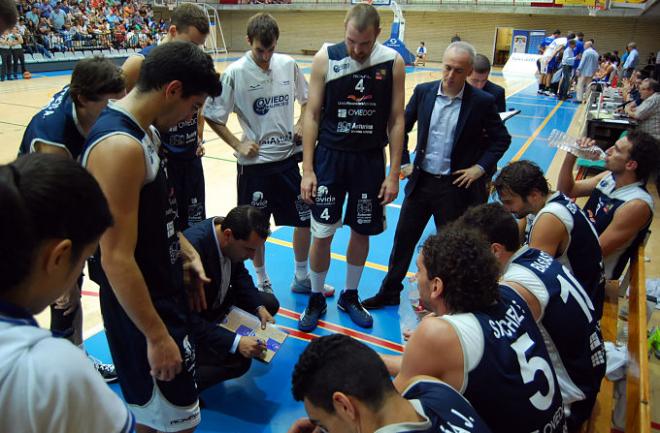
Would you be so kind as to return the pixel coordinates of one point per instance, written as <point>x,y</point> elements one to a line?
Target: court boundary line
<point>536,132</point>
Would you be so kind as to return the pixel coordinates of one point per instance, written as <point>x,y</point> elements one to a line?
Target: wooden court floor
<point>20,100</point>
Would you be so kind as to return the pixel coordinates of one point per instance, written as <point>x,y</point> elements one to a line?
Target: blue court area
<point>261,400</point>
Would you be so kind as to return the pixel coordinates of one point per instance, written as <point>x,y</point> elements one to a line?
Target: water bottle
<point>409,301</point>
<point>563,141</point>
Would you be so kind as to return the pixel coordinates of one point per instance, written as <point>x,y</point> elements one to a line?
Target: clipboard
<point>249,325</point>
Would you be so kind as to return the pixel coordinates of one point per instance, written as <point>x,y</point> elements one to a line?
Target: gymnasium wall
<point>309,29</point>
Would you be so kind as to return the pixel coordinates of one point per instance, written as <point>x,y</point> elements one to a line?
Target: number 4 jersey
<point>508,377</point>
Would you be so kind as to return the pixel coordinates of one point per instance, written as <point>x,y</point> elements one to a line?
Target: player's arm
<point>433,350</point>
<point>628,220</point>
<point>41,147</point>
<point>396,125</point>
<point>302,95</point>
<point>311,122</point>
<point>248,149</point>
<point>567,184</point>
<point>194,275</point>
<point>116,155</point>
<point>131,69</point>
<point>301,121</point>
<point>548,234</point>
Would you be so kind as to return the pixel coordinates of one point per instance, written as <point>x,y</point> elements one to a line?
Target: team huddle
<point>514,290</point>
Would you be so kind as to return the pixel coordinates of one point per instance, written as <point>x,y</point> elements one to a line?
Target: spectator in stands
<point>33,15</point>
<point>647,113</point>
<point>586,70</point>
<point>631,62</point>
<point>479,79</point>
<point>58,18</point>
<point>619,205</point>
<point>21,26</point>
<point>566,70</point>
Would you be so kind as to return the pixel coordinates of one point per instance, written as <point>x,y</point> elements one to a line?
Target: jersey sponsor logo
<point>364,210</point>
<point>359,112</point>
<point>323,196</point>
<point>338,68</point>
<point>360,98</point>
<point>186,419</point>
<point>258,200</point>
<point>262,106</point>
<point>304,212</point>
<point>381,74</point>
<point>353,127</point>
<point>277,140</point>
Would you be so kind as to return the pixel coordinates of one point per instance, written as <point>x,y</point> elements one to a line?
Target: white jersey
<point>263,102</point>
<point>556,44</point>
<point>48,385</point>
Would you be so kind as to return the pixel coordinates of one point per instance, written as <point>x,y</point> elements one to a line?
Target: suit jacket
<point>478,114</point>
<point>498,93</point>
<point>241,292</point>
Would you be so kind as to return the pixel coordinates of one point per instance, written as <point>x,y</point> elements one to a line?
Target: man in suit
<point>450,161</point>
<point>223,245</point>
<point>479,79</point>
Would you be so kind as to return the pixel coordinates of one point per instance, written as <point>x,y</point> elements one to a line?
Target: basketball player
<point>551,222</point>
<point>139,264</point>
<point>559,304</point>
<point>358,85</point>
<point>483,342</point>
<point>53,213</point>
<point>61,128</point>
<point>182,142</point>
<point>260,88</point>
<point>346,388</point>
<point>619,206</point>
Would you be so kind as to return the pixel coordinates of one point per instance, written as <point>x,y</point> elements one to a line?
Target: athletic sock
<point>262,276</point>
<point>318,280</point>
<point>301,270</point>
<point>353,275</point>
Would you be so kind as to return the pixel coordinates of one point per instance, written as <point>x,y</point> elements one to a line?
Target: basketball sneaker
<point>107,371</point>
<point>316,308</point>
<point>304,287</point>
<point>349,302</point>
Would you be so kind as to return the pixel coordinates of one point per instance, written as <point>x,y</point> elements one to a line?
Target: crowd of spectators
<point>48,26</point>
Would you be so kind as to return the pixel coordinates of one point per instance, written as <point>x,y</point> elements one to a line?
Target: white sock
<point>353,274</point>
<point>301,270</point>
<point>261,274</point>
<point>318,280</point>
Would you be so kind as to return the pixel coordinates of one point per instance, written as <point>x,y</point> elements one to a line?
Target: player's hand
<point>69,301</point>
<point>467,176</point>
<point>251,347</point>
<point>389,190</point>
<point>585,142</point>
<point>304,425</point>
<point>248,149</point>
<point>298,133</point>
<point>308,187</point>
<point>194,279</point>
<point>164,358</point>
<point>201,150</point>
<point>264,316</point>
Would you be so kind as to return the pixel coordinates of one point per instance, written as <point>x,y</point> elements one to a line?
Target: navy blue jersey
<point>601,207</point>
<point>357,100</point>
<point>56,125</point>
<point>568,322</point>
<point>445,410</point>
<point>508,377</point>
<point>583,256</point>
<point>180,141</point>
<point>157,251</point>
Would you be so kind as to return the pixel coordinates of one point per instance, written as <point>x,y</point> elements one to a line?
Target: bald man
<point>586,69</point>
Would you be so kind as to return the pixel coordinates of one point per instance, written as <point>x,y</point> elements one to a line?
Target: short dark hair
<point>461,258</point>
<point>245,219</point>
<point>570,36</point>
<point>264,28</point>
<point>495,223</point>
<point>557,32</point>
<point>646,152</point>
<point>190,15</point>
<point>522,178</point>
<point>572,42</point>
<point>182,61</point>
<point>46,196</point>
<point>363,16</point>
<point>338,363</point>
<point>580,34</point>
<point>94,77</point>
<point>481,64</point>
<point>8,14</point>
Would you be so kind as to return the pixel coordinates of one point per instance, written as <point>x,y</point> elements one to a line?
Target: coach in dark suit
<point>479,79</point>
<point>223,245</point>
<point>450,161</point>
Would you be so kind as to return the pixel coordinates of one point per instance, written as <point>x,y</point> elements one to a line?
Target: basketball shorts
<point>164,406</point>
<point>186,175</point>
<point>274,188</point>
<point>544,64</point>
<point>359,175</point>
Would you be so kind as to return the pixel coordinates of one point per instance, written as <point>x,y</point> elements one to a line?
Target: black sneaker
<point>350,303</point>
<point>316,308</point>
<point>107,371</point>
<point>380,300</point>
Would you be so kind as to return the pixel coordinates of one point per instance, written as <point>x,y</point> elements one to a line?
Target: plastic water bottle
<point>409,301</point>
<point>563,141</point>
